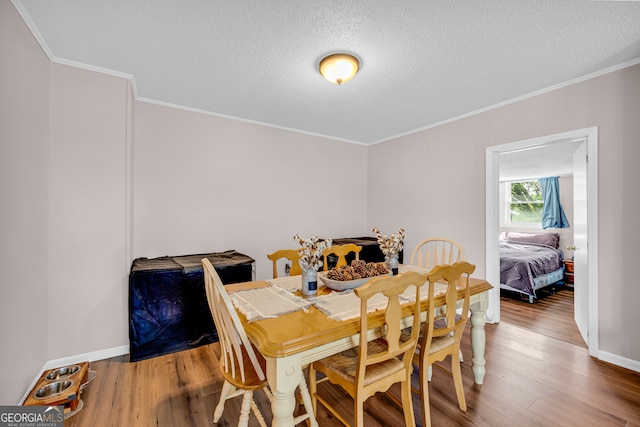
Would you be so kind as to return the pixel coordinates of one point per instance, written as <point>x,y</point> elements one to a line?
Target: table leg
<point>284,375</point>
<point>478,338</point>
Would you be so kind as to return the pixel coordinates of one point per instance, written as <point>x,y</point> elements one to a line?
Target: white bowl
<point>343,285</point>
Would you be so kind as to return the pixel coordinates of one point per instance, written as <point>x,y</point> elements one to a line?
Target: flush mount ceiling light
<point>339,68</point>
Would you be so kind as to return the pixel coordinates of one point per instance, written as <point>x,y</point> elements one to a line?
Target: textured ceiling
<point>542,161</point>
<point>422,63</point>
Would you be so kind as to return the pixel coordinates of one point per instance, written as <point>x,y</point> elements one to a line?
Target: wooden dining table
<point>291,341</point>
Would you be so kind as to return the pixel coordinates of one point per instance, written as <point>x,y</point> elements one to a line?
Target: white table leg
<point>283,374</point>
<point>478,338</point>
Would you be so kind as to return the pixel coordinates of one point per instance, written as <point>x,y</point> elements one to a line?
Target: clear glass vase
<point>309,282</point>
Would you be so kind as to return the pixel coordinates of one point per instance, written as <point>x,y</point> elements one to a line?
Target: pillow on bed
<point>549,239</point>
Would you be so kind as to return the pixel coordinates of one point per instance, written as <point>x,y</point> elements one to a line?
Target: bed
<point>529,262</point>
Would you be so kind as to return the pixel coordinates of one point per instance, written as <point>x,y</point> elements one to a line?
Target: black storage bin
<point>168,308</point>
<point>370,250</point>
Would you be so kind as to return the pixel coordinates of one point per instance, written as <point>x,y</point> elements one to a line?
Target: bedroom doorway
<point>585,226</point>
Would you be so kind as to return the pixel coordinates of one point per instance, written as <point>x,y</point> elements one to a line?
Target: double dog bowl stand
<point>60,386</point>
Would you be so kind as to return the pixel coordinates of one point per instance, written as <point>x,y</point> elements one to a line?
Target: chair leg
<point>407,404</point>
<point>247,400</point>
<point>227,389</point>
<point>313,389</point>
<point>457,380</point>
<point>308,406</point>
<point>267,392</point>
<point>358,412</point>
<point>257,413</point>
<point>424,394</point>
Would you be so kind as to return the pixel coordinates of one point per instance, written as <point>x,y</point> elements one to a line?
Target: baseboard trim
<point>70,360</point>
<point>623,362</point>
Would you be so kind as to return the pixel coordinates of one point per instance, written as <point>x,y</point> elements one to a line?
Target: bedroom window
<point>524,202</point>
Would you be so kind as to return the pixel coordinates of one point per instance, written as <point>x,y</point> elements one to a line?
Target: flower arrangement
<point>311,252</point>
<point>390,244</point>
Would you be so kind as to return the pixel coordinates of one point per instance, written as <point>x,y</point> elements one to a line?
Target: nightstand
<point>568,272</point>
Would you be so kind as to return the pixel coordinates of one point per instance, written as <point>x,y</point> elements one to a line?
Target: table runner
<point>294,283</point>
<point>410,294</point>
<point>267,302</point>
<point>260,303</point>
<point>346,304</point>
<point>289,283</point>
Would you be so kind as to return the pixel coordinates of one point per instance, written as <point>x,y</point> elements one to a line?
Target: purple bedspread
<point>520,263</point>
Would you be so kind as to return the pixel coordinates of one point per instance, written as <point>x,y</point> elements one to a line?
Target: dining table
<point>304,333</point>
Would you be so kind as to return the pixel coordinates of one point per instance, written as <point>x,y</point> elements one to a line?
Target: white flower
<point>311,252</point>
<point>390,245</point>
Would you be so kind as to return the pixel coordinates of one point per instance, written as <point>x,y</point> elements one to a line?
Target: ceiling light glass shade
<point>339,68</point>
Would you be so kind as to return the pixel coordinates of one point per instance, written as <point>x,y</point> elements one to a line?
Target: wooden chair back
<point>341,251</point>
<point>290,254</point>
<point>437,250</point>
<point>234,344</point>
<point>391,287</point>
<point>444,340</point>
<point>456,278</point>
<point>376,364</point>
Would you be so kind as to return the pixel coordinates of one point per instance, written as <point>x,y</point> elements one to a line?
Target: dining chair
<point>436,250</point>
<point>290,254</point>
<point>341,251</point>
<point>242,366</point>
<point>375,364</point>
<point>443,330</point>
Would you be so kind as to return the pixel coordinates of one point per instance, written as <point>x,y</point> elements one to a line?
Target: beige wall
<point>198,183</point>
<point>435,190</point>
<point>24,151</point>
<point>436,200</point>
<point>87,212</point>
<point>204,184</point>
<point>85,199</point>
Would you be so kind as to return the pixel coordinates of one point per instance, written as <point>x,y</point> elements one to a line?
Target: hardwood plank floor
<point>532,380</point>
<point>550,315</point>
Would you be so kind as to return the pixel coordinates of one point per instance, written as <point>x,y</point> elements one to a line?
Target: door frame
<point>493,221</point>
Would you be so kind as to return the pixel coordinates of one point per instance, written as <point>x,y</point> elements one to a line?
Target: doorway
<point>586,309</point>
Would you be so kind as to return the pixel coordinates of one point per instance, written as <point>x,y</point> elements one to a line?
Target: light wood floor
<point>532,380</point>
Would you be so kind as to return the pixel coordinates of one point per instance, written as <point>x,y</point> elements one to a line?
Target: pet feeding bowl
<point>53,389</point>
<point>64,372</point>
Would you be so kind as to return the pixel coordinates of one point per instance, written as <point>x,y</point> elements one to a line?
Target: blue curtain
<point>552,214</point>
